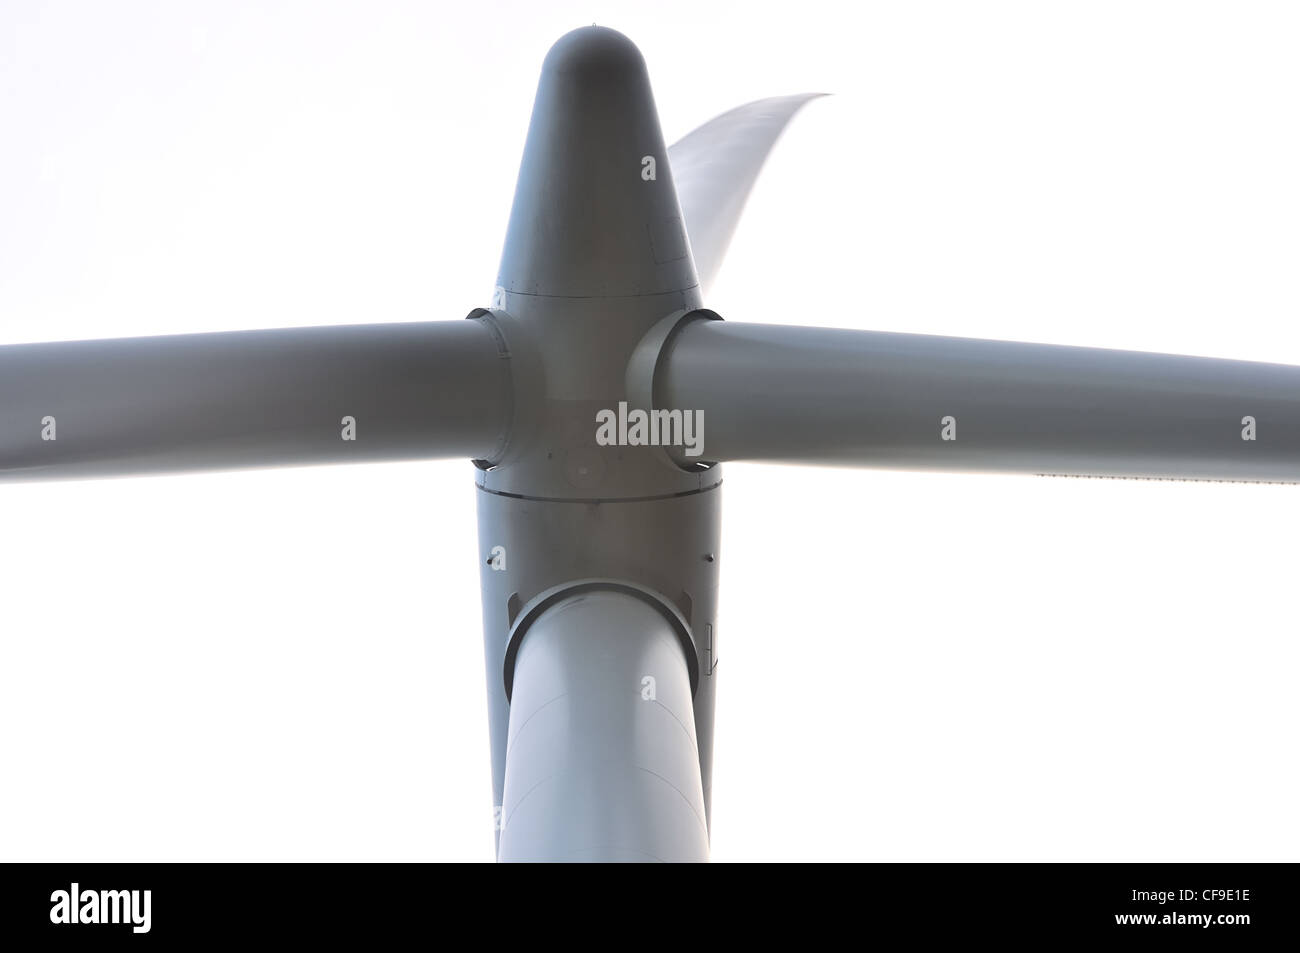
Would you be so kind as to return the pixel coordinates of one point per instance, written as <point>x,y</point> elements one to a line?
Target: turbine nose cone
<point>594,53</point>
<point>595,211</point>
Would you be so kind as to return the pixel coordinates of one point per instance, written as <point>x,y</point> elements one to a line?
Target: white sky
<point>288,664</point>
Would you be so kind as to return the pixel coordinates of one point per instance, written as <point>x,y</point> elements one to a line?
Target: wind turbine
<point>597,400</point>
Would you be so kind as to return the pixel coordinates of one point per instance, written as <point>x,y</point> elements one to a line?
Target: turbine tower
<point>597,399</point>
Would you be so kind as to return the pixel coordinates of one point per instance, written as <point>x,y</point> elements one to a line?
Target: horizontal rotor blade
<point>912,401</point>
<point>343,394</point>
<point>715,168</point>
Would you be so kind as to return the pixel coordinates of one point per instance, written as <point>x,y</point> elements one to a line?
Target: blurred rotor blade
<point>339,394</point>
<point>912,401</point>
<point>715,168</point>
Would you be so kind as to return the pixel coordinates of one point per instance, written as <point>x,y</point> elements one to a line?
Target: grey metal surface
<point>252,398</point>
<point>669,545</point>
<point>716,167</point>
<point>595,268</point>
<point>587,217</point>
<point>863,398</point>
<point>602,762</point>
<point>569,360</point>
<point>595,256</point>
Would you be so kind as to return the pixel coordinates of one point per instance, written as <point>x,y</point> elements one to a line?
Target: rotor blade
<point>715,168</point>
<point>593,772</point>
<point>251,398</point>
<point>912,401</point>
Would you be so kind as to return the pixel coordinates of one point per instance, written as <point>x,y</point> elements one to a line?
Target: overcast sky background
<point>288,664</point>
